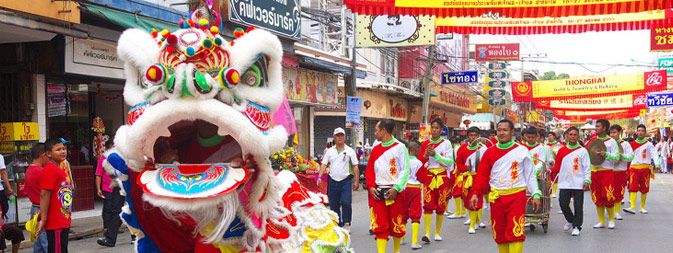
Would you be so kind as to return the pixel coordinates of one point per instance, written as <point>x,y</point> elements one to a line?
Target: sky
<point>624,47</point>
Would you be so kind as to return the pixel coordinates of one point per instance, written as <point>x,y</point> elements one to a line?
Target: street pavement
<point>651,233</point>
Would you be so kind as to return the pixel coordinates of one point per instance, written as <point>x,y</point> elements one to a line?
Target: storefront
<point>450,104</point>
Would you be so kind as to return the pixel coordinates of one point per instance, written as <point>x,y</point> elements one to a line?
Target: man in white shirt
<point>5,191</point>
<point>343,166</point>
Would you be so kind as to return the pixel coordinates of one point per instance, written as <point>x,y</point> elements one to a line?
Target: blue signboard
<point>660,99</point>
<point>353,106</point>
<point>469,76</point>
<point>281,17</point>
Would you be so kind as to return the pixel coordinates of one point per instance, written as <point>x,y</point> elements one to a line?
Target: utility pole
<point>351,87</point>
<point>427,78</point>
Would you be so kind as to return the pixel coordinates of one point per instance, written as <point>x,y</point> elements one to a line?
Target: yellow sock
<point>414,232</point>
<point>516,247</point>
<point>439,219</point>
<point>381,245</point>
<point>643,199</point>
<point>554,189</point>
<point>459,206</point>
<point>427,218</point>
<point>600,210</point>
<point>632,200</point>
<point>396,244</point>
<point>618,206</point>
<point>503,247</point>
<point>473,219</point>
<point>480,214</point>
<point>611,213</point>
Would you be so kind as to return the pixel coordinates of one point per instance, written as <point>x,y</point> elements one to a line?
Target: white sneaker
<point>629,210</point>
<point>471,231</point>
<point>485,206</point>
<point>347,227</point>
<point>482,225</point>
<point>618,216</point>
<point>467,222</point>
<point>553,196</point>
<point>567,226</point>
<point>447,213</point>
<point>559,212</point>
<point>611,225</point>
<point>643,211</point>
<point>403,241</point>
<point>599,225</point>
<point>416,246</point>
<point>454,216</point>
<point>576,232</point>
<point>438,238</point>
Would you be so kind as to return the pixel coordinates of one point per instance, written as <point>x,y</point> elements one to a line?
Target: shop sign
<point>308,86</point>
<point>496,101</point>
<point>353,111</point>
<point>660,99</point>
<point>92,57</point>
<point>667,64</point>
<point>498,84</point>
<point>394,30</point>
<point>498,74</point>
<point>497,93</point>
<point>280,16</point>
<point>454,99</point>
<point>497,65</point>
<point>461,77</point>
<point>497,52</point>
<point>661,39</point>
<point>19,131</point>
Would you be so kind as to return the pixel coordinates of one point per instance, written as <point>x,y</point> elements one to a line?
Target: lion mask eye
<point>256,75</point>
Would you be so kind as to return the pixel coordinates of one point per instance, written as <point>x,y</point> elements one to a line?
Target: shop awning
<point>314,63</point>
<point>128,20</point>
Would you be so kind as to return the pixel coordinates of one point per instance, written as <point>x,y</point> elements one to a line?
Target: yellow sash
<point>414,186</point>
<point>437,181</point>
<point>467,184</point>
<point>596,168</point>
<point>641,166</point>
<point>496,193</point>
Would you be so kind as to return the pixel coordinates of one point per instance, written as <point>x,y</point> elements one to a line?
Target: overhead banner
<point>497,52</point>
<point>661,38</point>
<point>394,31</point>
<point>582,87</point>
<point>496,24</point>
<point>509,8</point>
<point>603,103</point>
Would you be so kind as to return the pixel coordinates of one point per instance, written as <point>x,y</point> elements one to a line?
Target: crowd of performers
<point>410,181</point>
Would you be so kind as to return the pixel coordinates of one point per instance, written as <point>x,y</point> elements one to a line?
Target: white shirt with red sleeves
<point>644,153</point>
<point>504,169</point>
<point>414,166</point>
<point>444,149</point>
<point>626,157</point>
<point>388,166</point>
<point>573,167</point>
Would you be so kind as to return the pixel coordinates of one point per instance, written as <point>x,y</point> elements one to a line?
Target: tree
<point>551,75</point>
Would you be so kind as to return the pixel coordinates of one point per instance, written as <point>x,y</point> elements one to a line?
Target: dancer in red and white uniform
<point>507,169</point>
<point>620,173</point>
<point>641,170</point>
<point>468,158</point>
<point>602,176</point>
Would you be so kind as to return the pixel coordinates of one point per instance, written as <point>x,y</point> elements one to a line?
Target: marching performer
<point>437,158</point>
<point>620,173</point>
<point>602,186</point>
<point>468,158</point>
<point>537,150</point>
<point>507,169</point>
<point>641,170</point>
<point>387,174</point>
<point>574,170</point>
<point>411,196</point>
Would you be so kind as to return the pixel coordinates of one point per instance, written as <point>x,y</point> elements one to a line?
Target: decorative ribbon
<point>467,184</point>
<point>437,180</point>
<point>496,193</point>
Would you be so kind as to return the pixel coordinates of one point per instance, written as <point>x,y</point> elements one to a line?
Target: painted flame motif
<point>535,159</point>
<point>372,219</point>
<point>258,115</point>
<point>427,197</point>
<point>610,193</point>
<point>518,229</point>
<point>393,167</point>
<point>399,225</point>
<point>644,154</point>
<point>173,179</point>
<point>515,171</point>
<point>493,229</point>
<point>576,165</point>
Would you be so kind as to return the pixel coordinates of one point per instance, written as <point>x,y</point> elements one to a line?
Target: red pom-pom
<point>250,28</point>
<point>238,32</point>
<point>154,33</point>
<point>172,39</point>
<point>231,43</point>
<point>170,49</point>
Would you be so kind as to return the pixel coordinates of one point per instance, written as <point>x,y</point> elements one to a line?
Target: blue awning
<point>143,8</point>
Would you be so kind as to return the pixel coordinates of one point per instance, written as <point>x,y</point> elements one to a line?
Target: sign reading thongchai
<point>282,17</point>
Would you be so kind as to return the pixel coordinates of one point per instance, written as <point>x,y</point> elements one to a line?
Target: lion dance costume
<point>193,160</point>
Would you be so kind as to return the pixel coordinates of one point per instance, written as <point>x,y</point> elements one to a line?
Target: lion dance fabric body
<point>193,160</point>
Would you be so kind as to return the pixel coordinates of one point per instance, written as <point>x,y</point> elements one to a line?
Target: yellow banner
<point>19,131</point>
<point>588,85</point>
<point>500,3</point>
<point>394,31</point>
<point>496,21</point>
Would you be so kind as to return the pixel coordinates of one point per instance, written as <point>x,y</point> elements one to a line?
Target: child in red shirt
<point>55,199</point>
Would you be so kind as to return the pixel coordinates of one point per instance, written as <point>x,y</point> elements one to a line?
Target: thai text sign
<point>279,16</point>
<point>660,99</point>
<point>353,111</point>
<point>394,30</point>
<point>661,39</point>
<point>497,52</point>
<point>19,131</point>
<point>667,64</point>
<point>625,101</point>
<point>460,77</point>
<point>591,86</point>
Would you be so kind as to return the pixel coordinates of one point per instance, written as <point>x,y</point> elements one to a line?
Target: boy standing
<point>55,199</point>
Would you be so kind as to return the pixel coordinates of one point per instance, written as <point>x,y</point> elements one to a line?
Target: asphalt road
<point>651,233</point>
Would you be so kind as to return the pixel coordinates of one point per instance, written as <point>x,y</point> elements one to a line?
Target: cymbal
<point>594,147</point>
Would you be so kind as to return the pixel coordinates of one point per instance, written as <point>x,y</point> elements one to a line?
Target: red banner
<point>574,116</point>
<point>512,9</point>
<point>522,91</point>
<point>661,38</point>
<point>600,103</point>
<point>497,52</point>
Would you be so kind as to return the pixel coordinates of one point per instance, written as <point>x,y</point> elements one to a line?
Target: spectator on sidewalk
<point>112,203</point>
<point>55,199</point>
<point>343,165</point>
<point>39,158</point>
<point>5,188</point>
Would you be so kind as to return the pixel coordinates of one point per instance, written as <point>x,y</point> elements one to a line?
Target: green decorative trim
<point>528,144</point>
<point>603,138</point>
<point>641,141</point>
<point>572,146</point>
<point>505,145</point>
<point>388,143</point>
<point>588,181</point>
<point>210,141</point>
<point>435,141</point>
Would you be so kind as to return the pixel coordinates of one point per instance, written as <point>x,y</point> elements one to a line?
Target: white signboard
<point>92,58</point>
